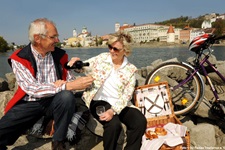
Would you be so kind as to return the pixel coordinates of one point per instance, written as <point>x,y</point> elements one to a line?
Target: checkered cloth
<point>77,124</point>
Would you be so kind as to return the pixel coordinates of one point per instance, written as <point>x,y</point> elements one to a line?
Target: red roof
<point>170,30</point>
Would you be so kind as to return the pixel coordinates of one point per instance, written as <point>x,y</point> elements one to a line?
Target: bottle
<point>77,65</point>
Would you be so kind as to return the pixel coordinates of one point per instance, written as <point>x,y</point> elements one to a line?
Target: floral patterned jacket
<point>100,68</point>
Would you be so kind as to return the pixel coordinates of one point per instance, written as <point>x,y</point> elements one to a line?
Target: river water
<point>141,57</point>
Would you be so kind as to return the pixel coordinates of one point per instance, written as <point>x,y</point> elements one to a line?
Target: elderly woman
<point>113,88</point>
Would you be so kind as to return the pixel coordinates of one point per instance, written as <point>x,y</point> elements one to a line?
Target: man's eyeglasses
<point>55,37</point>
<point>114,48</point>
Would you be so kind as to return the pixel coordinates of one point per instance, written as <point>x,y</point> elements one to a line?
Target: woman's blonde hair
<point>124,38</point>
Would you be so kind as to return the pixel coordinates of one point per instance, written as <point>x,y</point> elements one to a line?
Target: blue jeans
<point>25,113</point>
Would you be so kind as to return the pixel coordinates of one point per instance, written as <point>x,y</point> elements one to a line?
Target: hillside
<point>183,21</point>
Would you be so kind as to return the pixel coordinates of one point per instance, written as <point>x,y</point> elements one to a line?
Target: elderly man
<point>45,86</point>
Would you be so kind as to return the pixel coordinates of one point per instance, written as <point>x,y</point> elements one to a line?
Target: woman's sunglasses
<point>114,48</point>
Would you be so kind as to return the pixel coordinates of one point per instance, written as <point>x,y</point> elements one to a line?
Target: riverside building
<point>151,32</point>
<point>154,32</point>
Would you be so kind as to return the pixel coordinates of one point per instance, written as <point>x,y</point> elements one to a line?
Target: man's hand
<point>72,61</point>
<point>80,83</point>
<point>59,83</point>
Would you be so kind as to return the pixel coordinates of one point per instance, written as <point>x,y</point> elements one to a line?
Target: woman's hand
<point>107,116</point>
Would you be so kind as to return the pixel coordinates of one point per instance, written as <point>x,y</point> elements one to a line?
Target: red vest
<point>26,58</point>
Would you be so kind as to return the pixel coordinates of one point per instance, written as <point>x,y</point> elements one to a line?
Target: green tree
<point>58,45</point>
<point>100,40</point>
<point>96,40</point>
<point>3,45</point>
<point>78,44</point>
<point>219,25</point>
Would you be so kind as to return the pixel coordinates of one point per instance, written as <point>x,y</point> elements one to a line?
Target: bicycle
<point>184,79</point>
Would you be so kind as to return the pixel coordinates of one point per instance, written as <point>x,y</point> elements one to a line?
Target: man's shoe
<point>56,145</point>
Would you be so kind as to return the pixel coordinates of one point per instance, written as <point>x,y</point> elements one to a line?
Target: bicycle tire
<point>187,96</point>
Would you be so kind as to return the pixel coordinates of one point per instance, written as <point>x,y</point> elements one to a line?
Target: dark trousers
<point>132,118</point>
<point>24,114</point>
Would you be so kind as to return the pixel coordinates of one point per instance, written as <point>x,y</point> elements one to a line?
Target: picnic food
<point>160,131</point>
<point>151,135</point>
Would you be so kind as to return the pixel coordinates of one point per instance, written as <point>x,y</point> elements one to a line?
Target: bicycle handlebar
<point>219,38</point>
<point>212,39</point>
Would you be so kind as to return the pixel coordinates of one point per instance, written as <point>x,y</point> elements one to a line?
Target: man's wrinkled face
<point>50,39</point>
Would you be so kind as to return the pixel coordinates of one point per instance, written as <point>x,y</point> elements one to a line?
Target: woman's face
<point>117,51</point>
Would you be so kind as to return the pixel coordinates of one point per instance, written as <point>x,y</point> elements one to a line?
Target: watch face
<point>154,103</point>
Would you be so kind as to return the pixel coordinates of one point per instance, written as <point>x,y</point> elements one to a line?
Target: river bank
<point>141,56</point>
<point>146,45</point>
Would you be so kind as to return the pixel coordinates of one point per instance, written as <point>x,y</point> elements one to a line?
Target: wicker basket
<point>159,110</point>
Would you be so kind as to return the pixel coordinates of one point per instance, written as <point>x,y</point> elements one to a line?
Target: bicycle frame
<point>205,60</point>
<point>205,73</point>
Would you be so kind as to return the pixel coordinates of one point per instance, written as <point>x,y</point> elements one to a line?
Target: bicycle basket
<point>199,43</point>
<point>218,109</point>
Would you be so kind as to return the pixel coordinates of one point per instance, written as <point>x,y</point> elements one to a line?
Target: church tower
<point>84,30</point>
<point>170,35</point>
<point>74,32</point>
<point>117,27</point>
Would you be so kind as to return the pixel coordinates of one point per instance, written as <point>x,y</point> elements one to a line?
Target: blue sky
<point>99,16</point>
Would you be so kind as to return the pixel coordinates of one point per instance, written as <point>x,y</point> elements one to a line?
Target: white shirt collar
<point>125,61</point>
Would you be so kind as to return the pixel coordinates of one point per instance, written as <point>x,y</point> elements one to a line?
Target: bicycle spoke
<point>185,89</point>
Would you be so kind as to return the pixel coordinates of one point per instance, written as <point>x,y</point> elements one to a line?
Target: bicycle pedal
<point>218,109</point>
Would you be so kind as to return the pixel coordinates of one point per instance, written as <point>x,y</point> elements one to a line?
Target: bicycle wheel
<point>185,96</point>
